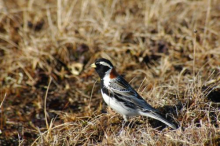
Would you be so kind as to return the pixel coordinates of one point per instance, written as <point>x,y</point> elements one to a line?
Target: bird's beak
<point>93,65</point>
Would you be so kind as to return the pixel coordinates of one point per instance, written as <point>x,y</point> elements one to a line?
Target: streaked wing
<point>124,91</point>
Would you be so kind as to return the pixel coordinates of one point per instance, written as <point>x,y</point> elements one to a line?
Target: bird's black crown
<point>102,66</point>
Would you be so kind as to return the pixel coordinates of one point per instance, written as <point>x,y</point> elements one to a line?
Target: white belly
<point>118,106</point>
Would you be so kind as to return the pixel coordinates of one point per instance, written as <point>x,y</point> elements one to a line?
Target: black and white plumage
<point>121,97</point>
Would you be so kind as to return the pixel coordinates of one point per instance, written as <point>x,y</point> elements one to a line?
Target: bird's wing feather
<point>122,88</point>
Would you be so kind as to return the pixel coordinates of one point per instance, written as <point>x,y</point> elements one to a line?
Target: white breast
<point>106,79</point>
<point>118,106</point>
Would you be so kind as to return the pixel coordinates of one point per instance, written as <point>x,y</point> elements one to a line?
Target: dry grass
<point>169,50</point>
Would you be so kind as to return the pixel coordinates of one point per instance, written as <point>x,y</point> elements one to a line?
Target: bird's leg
<point>125,118</point>
<point>126,122</point>
<point>123,124</point>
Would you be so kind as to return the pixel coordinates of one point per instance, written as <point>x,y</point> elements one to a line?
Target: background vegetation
<point>168,50</point>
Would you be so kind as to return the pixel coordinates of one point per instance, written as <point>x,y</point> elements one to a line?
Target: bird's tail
<point>158,117</point>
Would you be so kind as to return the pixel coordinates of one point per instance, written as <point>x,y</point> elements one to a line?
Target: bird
<point>121,97</point>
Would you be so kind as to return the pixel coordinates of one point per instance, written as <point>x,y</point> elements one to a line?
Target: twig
<point>45,103</point>
<point>3,100</point>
